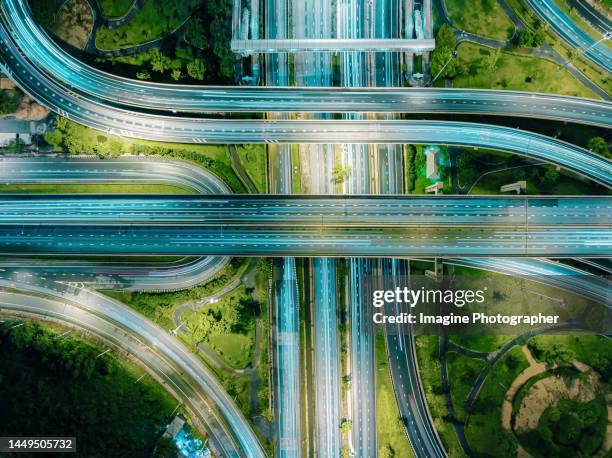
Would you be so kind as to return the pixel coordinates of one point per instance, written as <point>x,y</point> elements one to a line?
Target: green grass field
<point>490,69</point>
<point>253,159</point>
<point>481,17</point>
<point>390,431</point>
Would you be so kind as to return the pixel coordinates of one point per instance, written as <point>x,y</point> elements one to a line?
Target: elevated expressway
<point>163,355</point>
<point>282,226</point>
<point>292,45</point>
<point>191,130</point>
<point>114,274</point>
<point>24,42</point>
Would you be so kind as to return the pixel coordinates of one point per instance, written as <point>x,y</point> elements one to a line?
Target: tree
<point>165,448</point>
<point>445,44</point>
<point>346,426</point>
<point>176,74</point>
<point>54,138</point>
<point>195,33</point>
<point>539,38</point>
<point>525,39</point>
<point>340,173</point>
<point>196,69</point>
<point>599,146</point>
<point>159,62</point>
<point>143,75</point>
<point>386,452</point>
<point>550,177</point>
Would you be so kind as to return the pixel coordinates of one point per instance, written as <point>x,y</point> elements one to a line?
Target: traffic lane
<point>263,241</point>
<point>123,169</point>
<point>324,211</point>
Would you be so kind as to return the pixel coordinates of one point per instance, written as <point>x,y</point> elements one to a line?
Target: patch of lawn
<point>487,68</point>
<point>484,430</point>
<point>481,17</point>
<point>390,431</point>
<point>253,159</point>
<point>427,350</point>
<point>155,19</point>
<point>118,188</point>
<point>114,8</point>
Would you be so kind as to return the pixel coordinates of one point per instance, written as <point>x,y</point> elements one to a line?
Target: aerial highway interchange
<point>509,235</point>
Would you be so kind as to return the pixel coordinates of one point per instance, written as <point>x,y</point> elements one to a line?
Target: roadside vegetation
<point>581,22</point>
<point>55,383</point>
<point>481,17</point>
<point>428,355</point>
<point>194,43</point>
<point>155,19</point>
<point>483,172</point>
<point>484,430</point>
<point>159,306</point>
<point>462,372</point>
<point>227,327</point>
<point>114,8</point>
<point>73,138</point>
<point>10,99</point>
<point>390,430</point>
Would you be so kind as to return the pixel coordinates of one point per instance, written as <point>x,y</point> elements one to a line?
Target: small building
<point>175,427</point>
<point>432,156</point>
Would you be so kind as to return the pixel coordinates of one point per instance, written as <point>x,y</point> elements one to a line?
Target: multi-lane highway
<point>319,212</point>
<point>163,354</point>
<point>125,169</point>
<point>293,45</point>
<point>52,61</point>
<point>188,130</point>
<point>327,402</point>
<point>128,169</point>
<point>273,226</point>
